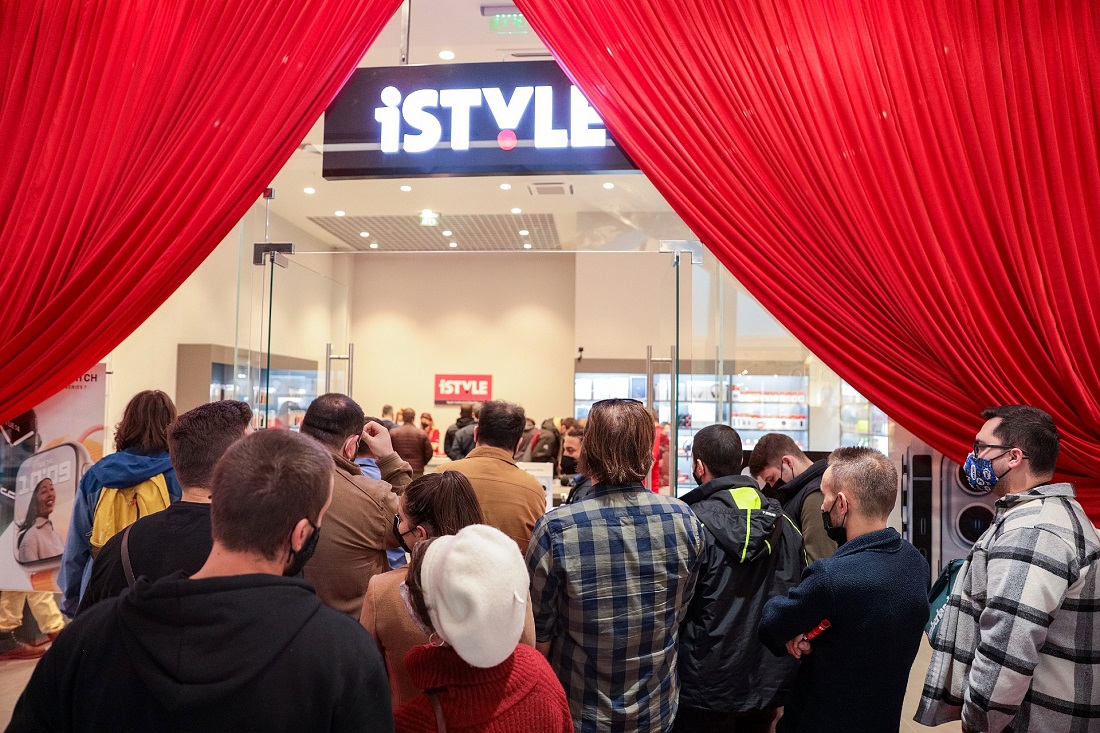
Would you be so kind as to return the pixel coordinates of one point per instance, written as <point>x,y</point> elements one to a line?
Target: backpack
<point>117,509</point>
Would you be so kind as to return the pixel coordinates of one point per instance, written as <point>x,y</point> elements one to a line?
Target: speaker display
<point>965,514</point>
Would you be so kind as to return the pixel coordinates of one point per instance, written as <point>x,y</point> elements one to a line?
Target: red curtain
<point>136,134</point>
<point>910,186</point>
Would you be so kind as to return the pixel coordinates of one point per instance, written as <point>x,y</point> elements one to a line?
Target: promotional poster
<point>43,454</point>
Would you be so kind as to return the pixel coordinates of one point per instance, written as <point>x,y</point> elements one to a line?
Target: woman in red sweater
<point>469,590</point>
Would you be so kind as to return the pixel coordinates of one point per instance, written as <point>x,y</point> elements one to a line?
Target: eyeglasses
<point>979,446</point>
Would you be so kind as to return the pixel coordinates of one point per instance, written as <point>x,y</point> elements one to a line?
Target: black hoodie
<point>753,552</point>
<point>247,652</point>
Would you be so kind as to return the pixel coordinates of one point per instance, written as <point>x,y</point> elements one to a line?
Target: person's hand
<point>377,440</point>
<point>798,646</point>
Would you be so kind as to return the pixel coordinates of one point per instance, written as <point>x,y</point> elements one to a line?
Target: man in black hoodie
<point>241,645</point>
<point>729,682</point>
<point>780,464</point>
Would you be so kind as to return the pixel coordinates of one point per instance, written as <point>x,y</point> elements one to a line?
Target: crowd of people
<point>773,598</point>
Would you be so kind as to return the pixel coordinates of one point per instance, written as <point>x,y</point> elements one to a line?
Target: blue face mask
<point>979,472</point>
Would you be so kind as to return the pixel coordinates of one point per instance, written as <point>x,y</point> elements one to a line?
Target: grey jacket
<point>1017,646</point>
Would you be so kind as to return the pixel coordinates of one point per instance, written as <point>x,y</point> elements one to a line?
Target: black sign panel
<point>465,119</point>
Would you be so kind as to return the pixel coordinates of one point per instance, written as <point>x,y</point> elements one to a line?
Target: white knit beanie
<point>475,586</point>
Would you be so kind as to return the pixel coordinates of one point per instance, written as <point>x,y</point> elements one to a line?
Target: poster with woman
<point>43,454</point>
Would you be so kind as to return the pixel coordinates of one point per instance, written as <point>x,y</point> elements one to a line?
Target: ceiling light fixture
<point>447,233</point>
<point>609,185</point>
<point>406,189</point>
<point>364,234</point>
<point>527,245</point>
<point>374,245</point>
<point>517,210</point>
<point>310,189</point>
<point>454,244</point>
<point>506,187</point>
<point>339,213</point>
<point>447,55</point>
<point>523,232</point>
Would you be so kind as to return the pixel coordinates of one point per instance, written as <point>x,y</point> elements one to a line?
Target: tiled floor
<point>14,676</point>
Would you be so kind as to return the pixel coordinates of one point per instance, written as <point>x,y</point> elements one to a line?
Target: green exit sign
<point>508,24</point>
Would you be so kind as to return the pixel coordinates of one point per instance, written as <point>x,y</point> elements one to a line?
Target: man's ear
<point>300,534</point>
<point>350,447</point>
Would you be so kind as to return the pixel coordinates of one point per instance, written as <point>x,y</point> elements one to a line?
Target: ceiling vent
<point>525,54</point>
<point>550,188</point>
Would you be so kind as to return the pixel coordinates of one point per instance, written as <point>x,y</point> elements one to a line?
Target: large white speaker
<point>965,514</point>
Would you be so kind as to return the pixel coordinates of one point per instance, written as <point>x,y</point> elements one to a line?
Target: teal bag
<point>937,597</point>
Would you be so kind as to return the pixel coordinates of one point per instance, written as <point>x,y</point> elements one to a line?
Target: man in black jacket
<point>241,645</point>
<point>778,462</point>
<point>729,682</point>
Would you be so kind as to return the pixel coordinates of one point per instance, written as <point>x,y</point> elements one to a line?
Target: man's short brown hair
<point>199,437</point>
<point>264,485</point>
<point>770,449</point>
<point>408,414</point>
<point>869,475</point>
<point>618,443</point>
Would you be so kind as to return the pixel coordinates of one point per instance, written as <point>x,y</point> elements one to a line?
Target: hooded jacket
<point>752,553</point>
<point>119,470</point>
<point>246,652</point>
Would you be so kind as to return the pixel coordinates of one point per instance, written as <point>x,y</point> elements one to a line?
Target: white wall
<point>500,313</point>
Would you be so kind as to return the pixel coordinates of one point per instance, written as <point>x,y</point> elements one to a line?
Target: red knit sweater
<point>521,694</point>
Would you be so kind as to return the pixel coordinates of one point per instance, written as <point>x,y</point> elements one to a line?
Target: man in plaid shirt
<point>611,578</point>
<point>1017,648</point>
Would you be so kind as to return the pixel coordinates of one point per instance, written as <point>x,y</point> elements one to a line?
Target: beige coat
<point>511,499</point>
<point>356,532</point>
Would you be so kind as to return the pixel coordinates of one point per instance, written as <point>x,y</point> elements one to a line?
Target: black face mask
<point>698,478</point>
<point>299,559</point>
<point>836,534</point>
<point>425,425</point>
<point>397,533</point>
<point>569,464</point>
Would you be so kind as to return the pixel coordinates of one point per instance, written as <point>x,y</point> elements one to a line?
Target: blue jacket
<point>873,592</point>
<point>119,470</point>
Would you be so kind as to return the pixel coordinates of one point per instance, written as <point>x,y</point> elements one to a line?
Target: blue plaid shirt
<point>611,578</point>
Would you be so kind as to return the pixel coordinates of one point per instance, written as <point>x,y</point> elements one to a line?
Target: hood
<point>743,521</point>
<point>196,642</point>
<point>548,424</point>
<point>129,467</point>
<point>464,421</point>
<point>790,489</point>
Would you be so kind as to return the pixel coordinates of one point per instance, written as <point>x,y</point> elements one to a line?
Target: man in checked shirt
<point>1017,648</point>
<point>611,578</point>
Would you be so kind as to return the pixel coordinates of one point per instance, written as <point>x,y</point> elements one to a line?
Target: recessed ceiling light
<point>527,245</point>
<point>406,188</point>
<point>447,55</point>
<point>609,185</point>
<point>339,213</point>
<point>517,210</point>
<point>447,233</point>
<point>310,189</point>
<point>506,187</point>
<point>523,232</point>
<point>364,234</point>
<point>454,244</point>
<point>374,245</point>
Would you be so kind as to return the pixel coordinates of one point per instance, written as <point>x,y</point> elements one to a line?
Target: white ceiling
<point>631,216</point>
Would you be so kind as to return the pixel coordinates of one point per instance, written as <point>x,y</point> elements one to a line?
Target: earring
<point>435,640</point>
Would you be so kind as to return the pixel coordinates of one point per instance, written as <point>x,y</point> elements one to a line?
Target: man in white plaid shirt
<point>1018,648</point>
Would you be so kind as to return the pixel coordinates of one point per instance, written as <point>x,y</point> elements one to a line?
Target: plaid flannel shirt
<point>1019,644</point>
<point>611,578</point>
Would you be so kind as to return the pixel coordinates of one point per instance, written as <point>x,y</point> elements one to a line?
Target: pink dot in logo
<point>507,139</point>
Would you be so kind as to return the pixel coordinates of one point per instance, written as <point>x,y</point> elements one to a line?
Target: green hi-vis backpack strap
<point>117,509</point>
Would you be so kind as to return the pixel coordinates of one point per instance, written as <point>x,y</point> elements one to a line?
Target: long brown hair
<point>144,423</point>
<point>442,502</point>
<point>618,443</point>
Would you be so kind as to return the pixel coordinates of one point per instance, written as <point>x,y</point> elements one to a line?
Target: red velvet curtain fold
<point>910,186</point>
<point>136,134</point>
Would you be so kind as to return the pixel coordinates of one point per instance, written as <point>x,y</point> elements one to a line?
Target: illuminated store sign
<point>465,119</point>
<point>455,388</point>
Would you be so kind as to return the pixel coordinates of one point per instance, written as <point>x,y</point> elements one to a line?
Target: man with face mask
<point>1016,648</point>
<point>728,679</point>
<point>580,486</point>
<point>241,645</point>
<point>784,471</point>
<point>353,548</point>
<point>873,594</point>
